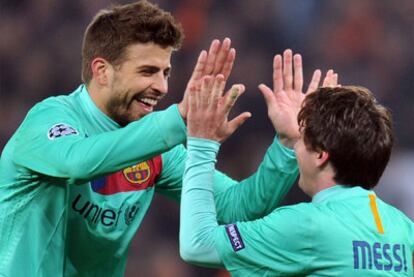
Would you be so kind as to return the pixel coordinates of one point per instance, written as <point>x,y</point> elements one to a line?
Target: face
<point>307,165</point>
<point>139,83</point>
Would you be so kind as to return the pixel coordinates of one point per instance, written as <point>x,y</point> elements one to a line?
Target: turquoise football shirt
<point>75,186</point>
<point>344,231</point>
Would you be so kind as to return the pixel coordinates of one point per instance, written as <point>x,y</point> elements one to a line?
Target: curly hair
<point>112,30</point>
<point>356,131</point>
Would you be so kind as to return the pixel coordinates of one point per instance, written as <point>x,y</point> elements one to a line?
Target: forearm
<point>198,214</point>
<point>262,192</point>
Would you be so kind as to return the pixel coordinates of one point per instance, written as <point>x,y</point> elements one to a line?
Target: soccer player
<point>79,174</point>
<point>344,144</point>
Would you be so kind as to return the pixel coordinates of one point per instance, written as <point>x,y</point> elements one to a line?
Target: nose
<point>161,84</point>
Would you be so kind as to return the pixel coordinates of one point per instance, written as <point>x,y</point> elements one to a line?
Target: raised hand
<point>219,60</point>
<point>285,100</point>
<point>209,109</point>
<point>331,79</point>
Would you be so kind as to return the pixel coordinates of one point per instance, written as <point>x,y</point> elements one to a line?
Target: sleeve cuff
<point>173,126</point>
<point>203,143</point>
<point>283,157</point>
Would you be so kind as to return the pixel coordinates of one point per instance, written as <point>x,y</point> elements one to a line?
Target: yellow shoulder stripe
<point>375,213</point>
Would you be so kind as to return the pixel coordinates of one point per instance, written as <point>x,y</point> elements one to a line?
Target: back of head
<point>112,30</point>
<point>356,131</point>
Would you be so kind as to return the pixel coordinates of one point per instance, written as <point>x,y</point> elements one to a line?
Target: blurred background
<point>368,42</point>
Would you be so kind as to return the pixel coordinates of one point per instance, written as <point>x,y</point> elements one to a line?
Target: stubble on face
<point>118,103</point>
<point>137,84</point>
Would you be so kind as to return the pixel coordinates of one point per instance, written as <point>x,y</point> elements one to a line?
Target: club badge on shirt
<point>61,130</point>
<point>138,174</point>
<point>134,178</point>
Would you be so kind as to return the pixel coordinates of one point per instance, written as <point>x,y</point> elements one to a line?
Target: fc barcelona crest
<point>138,174</point>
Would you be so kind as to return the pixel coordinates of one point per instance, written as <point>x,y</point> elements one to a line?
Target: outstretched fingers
<point>217,90</point>
<point>236,122</point>
<point>229,100</point>
<point>231,96</point>
<point>331,79</point>
<point>228,64</point>
<point>267,94</point>
<point>203,97</point>
<point>222,57</point>
<point>298,75</point>
<point>314,83</point>
<point>287,69</point>
<point>277,74</point>
<point>211,57</point>
<point>199,68</point>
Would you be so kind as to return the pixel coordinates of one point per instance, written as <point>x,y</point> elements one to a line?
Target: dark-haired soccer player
<point>79,174</point>
<point>343,147</point>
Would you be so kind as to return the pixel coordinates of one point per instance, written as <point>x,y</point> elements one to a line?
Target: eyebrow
<point>152,67</point>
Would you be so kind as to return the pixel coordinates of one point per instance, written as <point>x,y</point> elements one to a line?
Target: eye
<point>167,73</point>
<point>147,72</point>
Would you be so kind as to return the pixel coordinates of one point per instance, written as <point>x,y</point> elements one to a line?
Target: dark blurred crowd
<point>368,42</point>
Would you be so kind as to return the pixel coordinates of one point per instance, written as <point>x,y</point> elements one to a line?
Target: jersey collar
<point>339,192</point>
<point>103,122</point>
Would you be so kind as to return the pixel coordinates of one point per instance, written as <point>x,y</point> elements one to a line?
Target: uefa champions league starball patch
<point>61,130</point>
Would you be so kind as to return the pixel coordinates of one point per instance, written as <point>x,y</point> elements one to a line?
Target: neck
<point>322,180</point>
<point>323,184</point>
<point>97,94</point>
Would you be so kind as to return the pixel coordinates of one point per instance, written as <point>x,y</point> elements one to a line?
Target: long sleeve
<point>249,199</point>
<point>198,214</point>
<point>262,192</point>
<point>80,157</point>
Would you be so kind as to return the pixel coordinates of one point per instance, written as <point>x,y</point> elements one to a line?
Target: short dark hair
<point>356,131</point>
<point>112,30</point>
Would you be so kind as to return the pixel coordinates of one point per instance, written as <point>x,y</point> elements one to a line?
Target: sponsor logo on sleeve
<point>234,236</point>
<point>61,130</point>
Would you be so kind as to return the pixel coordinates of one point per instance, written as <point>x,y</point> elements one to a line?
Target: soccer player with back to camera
<point>79,174</point>
<point>344,141</point>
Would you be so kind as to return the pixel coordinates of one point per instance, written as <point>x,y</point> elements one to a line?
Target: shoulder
<point>57,114</point>
<point>302,210</point>
<point>396,213</point>
<point>294,217</point>
<point>397,217</point>
<point>60,103</point>
<point>295,220</point>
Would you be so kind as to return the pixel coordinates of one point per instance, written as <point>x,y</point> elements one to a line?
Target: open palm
<point>219,60</point>
<point>285,100</point>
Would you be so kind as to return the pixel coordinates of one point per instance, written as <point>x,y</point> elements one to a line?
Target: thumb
<point>268,94</point>
<point>235,123</point>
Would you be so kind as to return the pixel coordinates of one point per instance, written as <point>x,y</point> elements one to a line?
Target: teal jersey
<point>344,231</point>
<point>75,186</point>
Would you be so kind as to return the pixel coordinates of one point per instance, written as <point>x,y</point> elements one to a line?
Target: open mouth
<point>147,103</point>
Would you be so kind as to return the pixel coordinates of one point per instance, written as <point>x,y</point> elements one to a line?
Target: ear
<point>100,70</point>
<point>322,158</point>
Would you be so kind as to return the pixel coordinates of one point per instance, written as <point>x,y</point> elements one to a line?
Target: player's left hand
<point>285,100</point>
<point>209,109</point>
<point>219,60</point>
